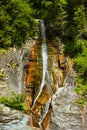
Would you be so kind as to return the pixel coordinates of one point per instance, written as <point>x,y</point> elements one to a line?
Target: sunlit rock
<point>59,67</point>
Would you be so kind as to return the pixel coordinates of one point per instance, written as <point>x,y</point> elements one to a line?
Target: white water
<point>45,75</point>
<point>45,111</point>
<point>44,60</point>
<point>45,63</point>
<point>43,34</point>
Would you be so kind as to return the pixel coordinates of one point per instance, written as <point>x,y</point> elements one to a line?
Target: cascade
<point>44,60</point>
<point>43,34</point>
<point>42,93</point>
<point>39,86</point>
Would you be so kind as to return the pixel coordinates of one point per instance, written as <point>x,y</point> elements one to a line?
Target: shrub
<point>72,48</point>
<point>15,102</point>
<point>79,79</point>
<point>81,90</point>
<point>80,102</point>
<point>81,59</point>
<point>81,64</point>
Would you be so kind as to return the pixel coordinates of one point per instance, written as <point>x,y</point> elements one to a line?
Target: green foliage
<point>79,90</point>
<point>81,58</point>
<point>84,88</point>
<point>79,17</point>
<point>16,22</point>
<point>72,48</point>
<point>15,102</point>
<point>64,18</point>
<point>81,64</point>
<point>81,102</point>
<point>78,50</point>
<point>79,79</point>
<point>82,92</point>
<point>76,19</point>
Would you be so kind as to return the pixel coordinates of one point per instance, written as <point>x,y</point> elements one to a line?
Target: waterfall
<point>43,34</point>
<point>44,60</point>
<point>45,111</point>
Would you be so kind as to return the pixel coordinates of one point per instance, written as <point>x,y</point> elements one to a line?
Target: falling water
<point>45,111</point>
<point>45,77</point>
<point>44,60</point>
<point>43,34</point>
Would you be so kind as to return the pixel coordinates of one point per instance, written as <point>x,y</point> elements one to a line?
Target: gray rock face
<point>13,65</point>
<point>66,114</point>
<point>13,119</point>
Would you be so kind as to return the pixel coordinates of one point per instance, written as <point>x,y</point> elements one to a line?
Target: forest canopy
<point>64,18</point>
<point>16,22</point>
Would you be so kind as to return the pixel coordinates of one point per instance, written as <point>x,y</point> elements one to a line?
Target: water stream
<point>44,60</point>
<point>45,71</point>
<point>43,33</point>
<point>45,76</point>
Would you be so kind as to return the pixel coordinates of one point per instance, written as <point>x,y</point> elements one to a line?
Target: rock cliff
<point>55,107</point>
<point>62,113</point>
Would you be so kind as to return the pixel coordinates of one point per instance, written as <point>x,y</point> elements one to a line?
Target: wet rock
<point>61,75</point>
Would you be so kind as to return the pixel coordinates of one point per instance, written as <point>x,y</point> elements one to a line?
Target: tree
<point>76,19</point>
<point>17,23</point>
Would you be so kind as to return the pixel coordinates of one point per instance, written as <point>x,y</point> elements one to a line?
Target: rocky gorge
<point>49,88</point>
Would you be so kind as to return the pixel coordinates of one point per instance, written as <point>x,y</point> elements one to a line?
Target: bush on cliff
<point>15,102</point>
